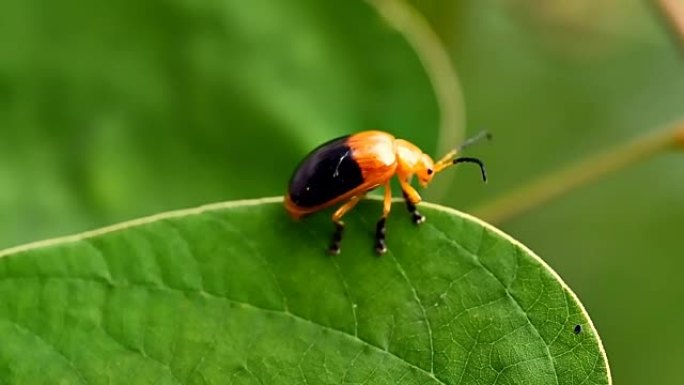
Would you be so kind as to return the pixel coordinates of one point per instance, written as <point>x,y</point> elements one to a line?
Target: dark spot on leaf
<point>578,329</point>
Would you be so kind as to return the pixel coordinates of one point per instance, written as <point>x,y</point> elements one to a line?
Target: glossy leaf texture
<point>240,293</point>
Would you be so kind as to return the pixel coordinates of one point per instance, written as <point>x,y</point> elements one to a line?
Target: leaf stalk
<point>546,188</point>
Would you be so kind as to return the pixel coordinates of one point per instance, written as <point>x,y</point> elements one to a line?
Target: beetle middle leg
<point>380,229</point>
<point>339,225</point>
<point>412,198</point>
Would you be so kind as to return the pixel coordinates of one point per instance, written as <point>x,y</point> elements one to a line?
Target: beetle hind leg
<point>334,248</point>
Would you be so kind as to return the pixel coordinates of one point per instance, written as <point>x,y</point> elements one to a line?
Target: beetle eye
<point>429,171</point>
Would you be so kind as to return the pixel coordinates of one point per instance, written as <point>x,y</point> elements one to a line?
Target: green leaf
<point>116,109</point>
<point>240,293</point>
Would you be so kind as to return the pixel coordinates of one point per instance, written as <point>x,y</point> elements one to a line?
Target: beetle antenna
<point>470,141</point>
<point>448,159</point>
<point>476,161</point>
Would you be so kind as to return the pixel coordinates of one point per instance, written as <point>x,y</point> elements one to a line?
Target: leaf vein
<point>250,306</point>
<point>422,309</point>
<point>258,253</point>
<point>52,347</point>
<point>476,258</point>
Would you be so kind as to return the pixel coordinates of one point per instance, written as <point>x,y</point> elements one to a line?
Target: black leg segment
<point>336,239</point>
<point>380,232</point>
<point>416,217</point>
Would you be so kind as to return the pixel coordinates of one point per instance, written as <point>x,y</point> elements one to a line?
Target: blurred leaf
<point>238,291</point>
<point>551,105</point>
<point>114,109</point>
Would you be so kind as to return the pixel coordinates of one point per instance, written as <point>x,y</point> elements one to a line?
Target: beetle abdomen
<point>326,173</point>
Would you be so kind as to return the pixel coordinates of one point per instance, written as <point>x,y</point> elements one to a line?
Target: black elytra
<point>326,173</point>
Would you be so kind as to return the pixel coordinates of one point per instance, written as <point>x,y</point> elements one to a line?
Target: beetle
<point>345,169</point>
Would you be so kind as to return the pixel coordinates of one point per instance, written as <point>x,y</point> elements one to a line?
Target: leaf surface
<point>239,293</point>
<point>112,110</point>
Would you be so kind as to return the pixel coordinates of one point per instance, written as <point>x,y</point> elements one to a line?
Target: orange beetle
<point>347,168</point>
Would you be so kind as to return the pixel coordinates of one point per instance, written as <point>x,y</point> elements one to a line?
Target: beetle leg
<point>380,229</point>
<point>412,198</point>
<point>339,225</point>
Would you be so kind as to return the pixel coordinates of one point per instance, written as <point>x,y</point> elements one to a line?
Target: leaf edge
<point>50,242</point>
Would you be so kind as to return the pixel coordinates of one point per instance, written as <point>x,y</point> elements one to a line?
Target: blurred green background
<point>111,110</point>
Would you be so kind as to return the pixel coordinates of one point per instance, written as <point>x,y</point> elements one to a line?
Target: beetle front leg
<point>412,198</point>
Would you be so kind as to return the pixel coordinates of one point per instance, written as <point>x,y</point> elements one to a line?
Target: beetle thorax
<point>410,159</point>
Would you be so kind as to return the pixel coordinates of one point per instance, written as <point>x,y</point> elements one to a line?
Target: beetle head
<point>426,170</point>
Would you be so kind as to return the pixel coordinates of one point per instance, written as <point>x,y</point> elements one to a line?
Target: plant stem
<point>546,188</point>
<point>440,70</point>
<point>673,12</point>
<point>435,59</point>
